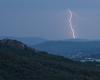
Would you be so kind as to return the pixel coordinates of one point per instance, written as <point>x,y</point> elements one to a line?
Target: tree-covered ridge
<point>24,63</point>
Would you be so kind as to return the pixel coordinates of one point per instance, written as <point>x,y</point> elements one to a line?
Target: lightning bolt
<point>70,24</point>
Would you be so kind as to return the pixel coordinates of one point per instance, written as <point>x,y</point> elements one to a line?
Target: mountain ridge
<point>27,40</point>
<point>18,63</point>
<point>70,48</point>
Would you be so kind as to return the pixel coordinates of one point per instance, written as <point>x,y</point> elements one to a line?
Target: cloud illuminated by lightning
<point>71,25</point>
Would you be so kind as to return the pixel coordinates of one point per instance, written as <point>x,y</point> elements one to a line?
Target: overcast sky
<point>47,18</point>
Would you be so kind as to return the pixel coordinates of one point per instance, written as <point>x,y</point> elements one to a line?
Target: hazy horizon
<point>47,18</point>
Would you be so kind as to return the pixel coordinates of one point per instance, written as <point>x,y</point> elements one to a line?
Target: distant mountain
<point>71,48</point>
<point>27,40</point>
<point>78,40</point>
<point>19,62</point>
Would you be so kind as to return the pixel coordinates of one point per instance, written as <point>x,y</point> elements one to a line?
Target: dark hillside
<point>19,62</point>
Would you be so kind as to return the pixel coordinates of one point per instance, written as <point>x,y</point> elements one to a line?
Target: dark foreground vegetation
<point>19,62</point>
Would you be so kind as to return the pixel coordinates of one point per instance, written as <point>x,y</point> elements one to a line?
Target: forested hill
<point>19,62</point>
